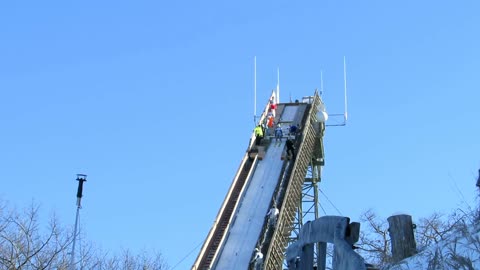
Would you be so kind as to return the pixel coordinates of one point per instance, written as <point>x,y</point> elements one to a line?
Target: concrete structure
<point>328,229</point>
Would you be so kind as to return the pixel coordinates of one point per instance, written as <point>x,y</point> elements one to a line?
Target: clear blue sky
<point>153,100</point>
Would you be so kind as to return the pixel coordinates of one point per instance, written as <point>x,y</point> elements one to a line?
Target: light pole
<point>80,178</point>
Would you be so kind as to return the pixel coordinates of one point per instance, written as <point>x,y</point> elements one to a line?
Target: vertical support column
<point>299,216</point>
<point>307,258</point>
<point>401,235</point>
<point>321,255</point>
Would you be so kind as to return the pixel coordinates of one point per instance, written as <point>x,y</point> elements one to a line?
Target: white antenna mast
<point>345,88</point>
<point>345,112</point>
<point>255,90</point>
<point>321,83</point>
<point>278,85</point>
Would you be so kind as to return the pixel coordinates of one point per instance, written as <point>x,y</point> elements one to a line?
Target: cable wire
<point>331,202</point>
<point>324,212</point>
<point>186,256</point>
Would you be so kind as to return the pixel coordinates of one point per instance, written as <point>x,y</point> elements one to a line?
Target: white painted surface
<point>248,222</point>
<point>289,114</point>
<point>243,234</point>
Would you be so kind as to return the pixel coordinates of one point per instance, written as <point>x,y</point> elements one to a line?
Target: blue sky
<point>153,100</point>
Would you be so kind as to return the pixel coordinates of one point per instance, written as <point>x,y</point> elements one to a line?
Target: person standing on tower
<point>270,120</point>
<point>290,148</point>
<point>273,106</point>
<point>293,130</point>
<point>273,215</point>
<point>278,133</point>
<point>258,260</point>
<point>258,134</point>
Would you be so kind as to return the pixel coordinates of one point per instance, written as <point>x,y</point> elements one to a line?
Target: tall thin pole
<point>321,83</point>
<point>255,90</point>
<point>345,87</point>
<point>278,85</point>
<point>72,258</point>
<point>80,178</point>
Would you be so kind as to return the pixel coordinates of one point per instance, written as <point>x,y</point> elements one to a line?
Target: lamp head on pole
<point>80,178</point>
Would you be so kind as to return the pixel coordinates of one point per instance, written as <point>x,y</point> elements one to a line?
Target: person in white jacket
<point>257,260</point>
<point>273,215</point>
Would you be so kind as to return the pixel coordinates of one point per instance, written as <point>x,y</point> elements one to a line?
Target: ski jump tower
<point>300,202</point>
<point>266,180</point>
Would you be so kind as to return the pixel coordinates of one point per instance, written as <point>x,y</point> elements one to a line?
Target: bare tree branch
<point>24,245</point>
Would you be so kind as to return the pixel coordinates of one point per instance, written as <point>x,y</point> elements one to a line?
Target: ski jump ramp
<point>241,224</point>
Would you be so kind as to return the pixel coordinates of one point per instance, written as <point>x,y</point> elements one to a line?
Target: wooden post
<point>401,236</point>
<point>353,233</point>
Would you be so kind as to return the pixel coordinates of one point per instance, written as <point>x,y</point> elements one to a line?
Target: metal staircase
<point>311,137</point>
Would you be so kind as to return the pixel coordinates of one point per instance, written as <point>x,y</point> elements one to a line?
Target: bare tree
<point>437,227</point>
<point>126,260</point>
<point>459,250</point>
<point>25,245</point>
<point>374,242</point>
<point>430,230</point>
<point>22,245</point>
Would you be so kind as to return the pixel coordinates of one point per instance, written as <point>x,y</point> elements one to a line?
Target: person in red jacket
<point>273,106</point>
<point>270,121</point>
